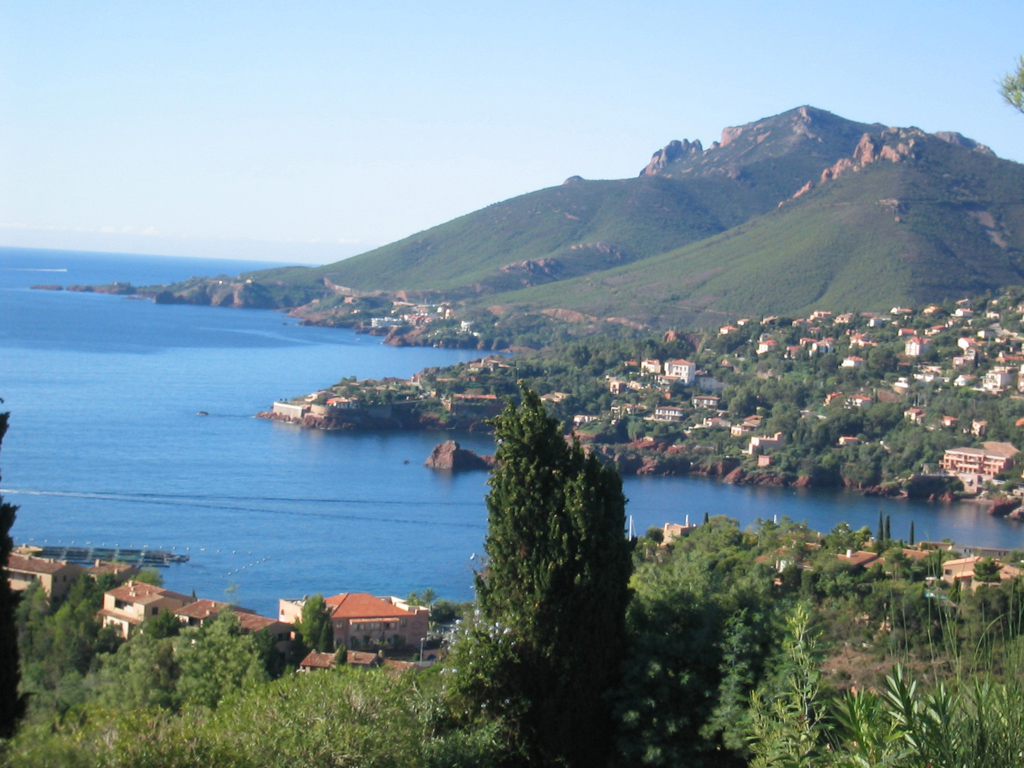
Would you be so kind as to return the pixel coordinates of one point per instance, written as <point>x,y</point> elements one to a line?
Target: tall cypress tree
<point>12,705</point>
<point>552,594</point>
<point>315,626</point>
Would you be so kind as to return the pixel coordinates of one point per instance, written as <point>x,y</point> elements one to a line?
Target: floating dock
<point>89,555</point>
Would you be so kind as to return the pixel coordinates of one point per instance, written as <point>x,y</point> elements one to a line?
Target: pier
<point>89,555</point>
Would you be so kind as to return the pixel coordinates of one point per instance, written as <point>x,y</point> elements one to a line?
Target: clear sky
<point>308,131</point>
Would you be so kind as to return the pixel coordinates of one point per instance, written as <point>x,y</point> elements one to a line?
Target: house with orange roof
<point>197,613</point>
<point>252,623</point>
<point>315,661</point>
<point>915,346</point>
<point>962,571</point>
<point>54,576</point>
<point>121,572</point>
<point>916,415</point>
<point>135,603</point>
<point>977,466</point>
<point>361,620</point>
<point>651,365</point>
<point>858,558</point>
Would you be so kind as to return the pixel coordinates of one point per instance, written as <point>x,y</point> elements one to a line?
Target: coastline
<point>630,458</point>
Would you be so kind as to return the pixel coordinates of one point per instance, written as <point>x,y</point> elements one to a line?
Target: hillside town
<point>926,400</point>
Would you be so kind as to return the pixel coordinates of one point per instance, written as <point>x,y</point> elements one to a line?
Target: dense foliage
<point>12,704</point>
<point>769,646</point>
<point>544,651</point>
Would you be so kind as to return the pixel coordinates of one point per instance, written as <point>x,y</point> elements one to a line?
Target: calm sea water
<point>105,447</point>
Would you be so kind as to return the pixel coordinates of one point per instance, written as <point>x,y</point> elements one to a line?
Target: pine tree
<point>911,533</point>
<point>315,625</point>
<point>1011,87</point>
<point>552,595</point>
<point>888,537</point>
<point>12,705</point>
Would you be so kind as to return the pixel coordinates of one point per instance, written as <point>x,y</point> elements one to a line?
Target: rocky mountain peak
<point>960,140</point>
<point>804,130</point>
<point>672,151</point>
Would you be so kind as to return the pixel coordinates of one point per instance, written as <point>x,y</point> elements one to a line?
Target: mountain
<point>802,210</point>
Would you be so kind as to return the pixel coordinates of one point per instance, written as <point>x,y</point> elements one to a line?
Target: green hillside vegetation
<point>794,212</point>
<point>634,218</point>
<point>890,233</point>
<point>756,647</point>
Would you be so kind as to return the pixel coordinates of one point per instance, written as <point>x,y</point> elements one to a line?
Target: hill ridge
<point>781,214</point>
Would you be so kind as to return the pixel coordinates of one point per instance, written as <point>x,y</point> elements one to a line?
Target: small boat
<point>202,413</point>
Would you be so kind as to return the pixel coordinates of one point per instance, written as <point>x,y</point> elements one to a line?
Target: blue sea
<point>105,448</point>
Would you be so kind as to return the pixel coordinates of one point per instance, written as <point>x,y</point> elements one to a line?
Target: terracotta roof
<point>916,554</point>
<point>103,566</point>
<point>360,605</point>
<point>204,609</point>
<point>859,557</point>
<point>119,616</point>
<point>253,622</point>
<point>35,564</point>
<point>318,660</point>
<point>962,561</point>
<point>138,592</point>
<point>999,450</point>
<point>362,658</point>
<point>401,666</point>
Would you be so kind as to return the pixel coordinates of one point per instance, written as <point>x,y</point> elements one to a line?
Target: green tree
<point>1011,86</point>
<point>165,624</point>
<point>12,704</point>
<point>552,595</point>
<point>142,673</point>
<point>150,576</point>
<point>787,727</point>
<point>218,660</point>
<point>699,627</point>
<point>987,570</point>
<point>314,627</point>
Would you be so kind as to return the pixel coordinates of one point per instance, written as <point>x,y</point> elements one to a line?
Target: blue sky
<point>311,131</point>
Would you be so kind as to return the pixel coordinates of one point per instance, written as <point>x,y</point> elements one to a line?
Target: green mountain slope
<point>927,227</point>
<point>799,210</point>
<point>584,225</point>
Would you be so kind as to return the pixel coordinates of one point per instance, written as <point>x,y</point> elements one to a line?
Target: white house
<point>996,380</point>
<point>669,413</point>
<point>683,370</point>
<point>916,346</point>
